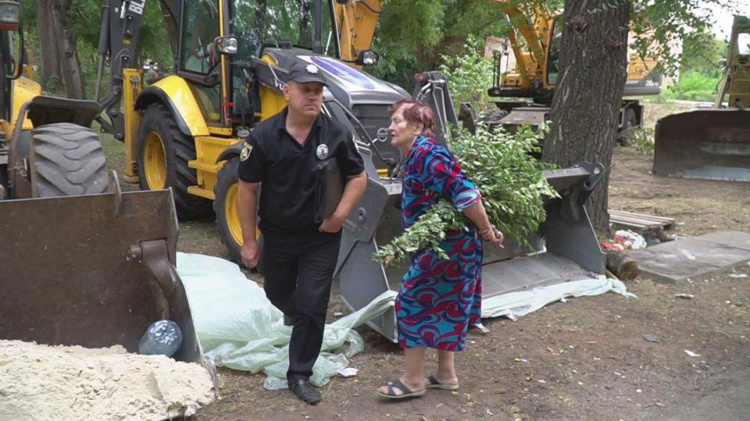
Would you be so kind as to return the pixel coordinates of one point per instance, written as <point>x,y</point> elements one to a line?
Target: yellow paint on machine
<point>24,90</point>
<point>207,151</point>
<point>182,97</point>
<point>271,102</point>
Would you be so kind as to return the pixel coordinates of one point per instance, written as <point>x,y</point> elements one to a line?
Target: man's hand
<point>332,224</point>
<point>250,254</point>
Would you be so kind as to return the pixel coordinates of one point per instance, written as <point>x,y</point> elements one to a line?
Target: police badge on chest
<point>322,152</point>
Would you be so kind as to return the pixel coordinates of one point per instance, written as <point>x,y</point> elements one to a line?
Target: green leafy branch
<point>511,182</point>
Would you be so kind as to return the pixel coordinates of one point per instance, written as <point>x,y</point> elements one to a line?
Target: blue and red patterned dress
<point>439,299</point>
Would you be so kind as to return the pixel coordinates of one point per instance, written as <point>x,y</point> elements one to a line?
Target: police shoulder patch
<point>245,152</point>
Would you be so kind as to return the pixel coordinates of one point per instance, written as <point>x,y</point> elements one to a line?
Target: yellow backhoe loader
<point>82,263</point>
<point>525,94</point>
<point>714,143</point>
<point>186,130</point>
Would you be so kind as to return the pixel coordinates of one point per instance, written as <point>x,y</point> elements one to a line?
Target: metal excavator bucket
<point>712,144</point>
<point>566,247</point>
<point>93,271</point>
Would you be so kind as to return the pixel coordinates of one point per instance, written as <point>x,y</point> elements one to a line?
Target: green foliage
<point>511,182</point>
<point>641,139</point>
<point>469,74</point>
<point>702,54</point>
<point>413,35</point>
<point>85,20</point>
<point>406,29</point>
<point>660,25</point>
<point>694,86</point>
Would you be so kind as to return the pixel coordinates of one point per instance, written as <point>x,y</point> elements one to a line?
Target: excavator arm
<point>356,21</point>
<point>535,28</point>
<point>118,40</point>
<point>534,31</point>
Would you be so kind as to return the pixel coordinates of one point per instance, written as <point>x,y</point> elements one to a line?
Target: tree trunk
<point>48,42</point>
<point>68,52</point>
<point>593,70</point>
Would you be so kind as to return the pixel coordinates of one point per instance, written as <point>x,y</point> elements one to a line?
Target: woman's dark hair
<point>416,112</point>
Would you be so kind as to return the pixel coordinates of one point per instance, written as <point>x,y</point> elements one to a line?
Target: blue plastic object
<point>163,337</point>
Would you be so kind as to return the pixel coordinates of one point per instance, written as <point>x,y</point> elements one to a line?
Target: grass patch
<point>114,150</point>
<point>694,86</point>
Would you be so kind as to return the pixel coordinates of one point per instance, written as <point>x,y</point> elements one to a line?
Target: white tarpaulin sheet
<point>521,303</point>
<point>240,329</point>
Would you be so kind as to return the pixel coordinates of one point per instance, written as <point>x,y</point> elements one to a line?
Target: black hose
<point>370,8</point>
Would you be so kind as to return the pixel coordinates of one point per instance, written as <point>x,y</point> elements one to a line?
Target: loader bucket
<point>566,248</point>
<point>93,271</point>
<point>711,144</point>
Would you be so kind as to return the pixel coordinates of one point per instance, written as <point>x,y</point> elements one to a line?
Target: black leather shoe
<point>305,391</point>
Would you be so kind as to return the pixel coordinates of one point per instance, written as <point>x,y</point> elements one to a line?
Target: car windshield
<point>258,23</point>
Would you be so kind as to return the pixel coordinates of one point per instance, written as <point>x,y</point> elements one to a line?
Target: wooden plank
<point>633,219</point>
<point>631,225</point>
<point>640,221</point>
<point>642,216</point>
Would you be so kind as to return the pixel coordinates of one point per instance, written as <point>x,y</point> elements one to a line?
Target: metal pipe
<point>318,41</point>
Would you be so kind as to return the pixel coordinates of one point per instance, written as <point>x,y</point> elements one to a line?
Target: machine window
<point>267,22</point>
<point>201,27</point>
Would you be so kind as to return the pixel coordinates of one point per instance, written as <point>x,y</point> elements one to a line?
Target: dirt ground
<point>583,359</point>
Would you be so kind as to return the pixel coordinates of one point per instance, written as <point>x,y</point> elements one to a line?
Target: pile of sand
<point>39,382</point>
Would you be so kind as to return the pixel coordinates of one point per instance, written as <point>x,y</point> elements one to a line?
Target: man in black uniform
<point>299,254</point>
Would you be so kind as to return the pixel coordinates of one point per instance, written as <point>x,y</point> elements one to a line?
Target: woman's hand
<point>492,235</point>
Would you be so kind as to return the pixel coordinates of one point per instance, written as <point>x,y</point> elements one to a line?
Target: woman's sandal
<point>407,393</point>
<point>435,384</point>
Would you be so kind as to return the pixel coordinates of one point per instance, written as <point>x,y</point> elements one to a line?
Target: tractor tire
<point>163,156</point>
<point>491,119</point>
<point>630,121</point>
<point>66,159</point>
<point>227,216</point>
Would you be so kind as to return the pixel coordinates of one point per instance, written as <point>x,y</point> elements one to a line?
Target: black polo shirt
<point>286,169</point>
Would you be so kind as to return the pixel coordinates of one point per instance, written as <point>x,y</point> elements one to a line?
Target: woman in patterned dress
<point>439,299</point>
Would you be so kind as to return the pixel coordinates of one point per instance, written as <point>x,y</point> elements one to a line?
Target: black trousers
<point>298,271</point>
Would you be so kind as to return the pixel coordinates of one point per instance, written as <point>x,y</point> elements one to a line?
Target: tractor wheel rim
<point>233,216</point>
<point>155,162</point>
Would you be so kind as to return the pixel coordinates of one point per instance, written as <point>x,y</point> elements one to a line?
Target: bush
<point>470,75</point>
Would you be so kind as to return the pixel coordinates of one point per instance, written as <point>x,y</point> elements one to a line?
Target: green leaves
<point>663,26</point>
<point>510,180</point>
<point>470,74</point>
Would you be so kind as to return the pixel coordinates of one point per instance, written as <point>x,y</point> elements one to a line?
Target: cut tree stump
<point>623,266</point>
